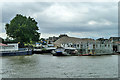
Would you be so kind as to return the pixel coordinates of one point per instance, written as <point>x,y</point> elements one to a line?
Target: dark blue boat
<point>15,53</point>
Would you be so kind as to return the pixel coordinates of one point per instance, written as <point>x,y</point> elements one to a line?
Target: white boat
<point>13,50</point>
<point>37,50</point>
<point>60,51</point>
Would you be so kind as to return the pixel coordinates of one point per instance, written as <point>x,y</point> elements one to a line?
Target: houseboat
<point>13,50</point>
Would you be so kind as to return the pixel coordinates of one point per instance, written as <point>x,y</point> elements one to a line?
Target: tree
<point>23,29</point>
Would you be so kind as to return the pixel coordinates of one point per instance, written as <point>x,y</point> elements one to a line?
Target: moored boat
<point>60,51</point>
<point>37,50</point>
<point>15,53</point>
<point>13,50</point>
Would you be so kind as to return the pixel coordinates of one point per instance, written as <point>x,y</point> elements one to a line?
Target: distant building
<point>72,40</point>
<point>114,39</point>
<point>86,45</point>
<point>79,43</point>
<point>116,46</point>
<point>63,35</point>
<point>53,39</point>
<point>116,43</point>
<point>102,40</point>
<point>104,46</point>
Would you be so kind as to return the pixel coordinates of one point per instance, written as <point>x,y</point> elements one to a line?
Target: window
<point>108,45</point>
<point>75,45</point>
<point>81,46</point>
<point>93,45</point>
<point>96,45</point>
<point>105,45</point>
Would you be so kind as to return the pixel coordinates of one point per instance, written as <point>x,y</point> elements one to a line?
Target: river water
<point>48,66</point>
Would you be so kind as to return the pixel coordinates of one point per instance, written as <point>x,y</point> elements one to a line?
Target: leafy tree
<point>23,29</point>
<point>42,39</point>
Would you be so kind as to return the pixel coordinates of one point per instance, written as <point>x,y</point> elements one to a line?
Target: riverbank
<point>79,54</point>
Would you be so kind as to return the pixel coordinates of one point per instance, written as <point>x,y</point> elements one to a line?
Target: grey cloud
<point>75,28</point>
<point>9,10</point>
<point>52,22</point>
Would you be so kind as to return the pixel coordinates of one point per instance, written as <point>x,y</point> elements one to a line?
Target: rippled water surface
<point>48,66</point>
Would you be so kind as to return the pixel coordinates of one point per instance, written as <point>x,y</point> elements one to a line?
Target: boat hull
<point>42,51</point>
<point>60,54</point>
<point>16,53</point>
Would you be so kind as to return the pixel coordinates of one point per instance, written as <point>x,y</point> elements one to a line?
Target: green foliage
<point>42,39</point>
<point>44,49</point>
<point>23,29</point>
<point>8,40</point>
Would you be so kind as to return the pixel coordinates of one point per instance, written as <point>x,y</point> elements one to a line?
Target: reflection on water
<point>0,68</point>
<point>48,66</point>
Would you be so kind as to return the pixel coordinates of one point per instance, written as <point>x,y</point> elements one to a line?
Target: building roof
<point>114,38</point>
<point>1,44</point>
<point>117,42</point>
<point>73,40</point>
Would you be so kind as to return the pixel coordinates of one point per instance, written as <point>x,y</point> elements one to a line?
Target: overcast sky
<point>76,19</point>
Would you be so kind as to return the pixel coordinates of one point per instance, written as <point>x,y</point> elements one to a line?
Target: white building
<point>9,47</point>
<point>86,45</point>
<point>117,46</point>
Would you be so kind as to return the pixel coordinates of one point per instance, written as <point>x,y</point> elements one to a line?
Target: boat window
<point>60,49</point>
<point>96,45</point>
<point>105,45</point>
<point>72,50</point>
<point>74,45</point>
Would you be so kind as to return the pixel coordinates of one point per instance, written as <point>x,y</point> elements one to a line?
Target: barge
<point>13,50</point>
<point>15,53</point>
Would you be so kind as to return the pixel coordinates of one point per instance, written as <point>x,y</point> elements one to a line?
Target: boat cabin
<point>9,47</point>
